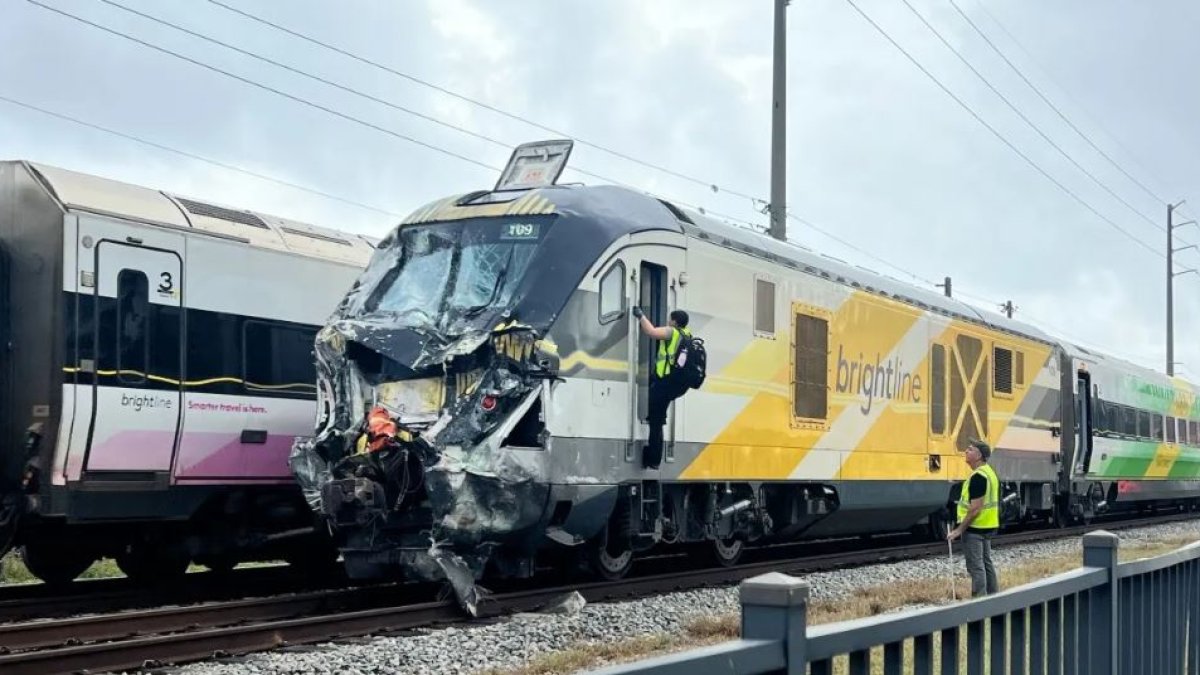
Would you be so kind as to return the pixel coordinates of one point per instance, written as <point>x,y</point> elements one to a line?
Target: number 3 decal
<point>167,284</point>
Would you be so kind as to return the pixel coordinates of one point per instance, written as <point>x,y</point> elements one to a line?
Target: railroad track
<point>151,638</point>
<point>42,601</point>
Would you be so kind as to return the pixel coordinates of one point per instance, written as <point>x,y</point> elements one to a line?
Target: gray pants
<point>978,551</point>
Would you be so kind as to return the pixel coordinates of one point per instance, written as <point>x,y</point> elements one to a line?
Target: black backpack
<point>691,362</point>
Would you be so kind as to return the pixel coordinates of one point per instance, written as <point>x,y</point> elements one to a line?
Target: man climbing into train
<point>979,519</point>
<point>663,387</point>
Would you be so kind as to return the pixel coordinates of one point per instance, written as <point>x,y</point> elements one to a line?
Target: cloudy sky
<point>904,178</point>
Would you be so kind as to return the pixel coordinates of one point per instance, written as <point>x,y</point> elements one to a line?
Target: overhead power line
<point>1051,104</point>
<point>304,73</point>
<point>442,150</point>
<point>813,226</point>
<point>1025,118</point>
<point>200,158</point>
<point>462,97</point>
<point>264,87</point>
<point>998,135</point>
<point>454,127</point>
<point>1063,89</point>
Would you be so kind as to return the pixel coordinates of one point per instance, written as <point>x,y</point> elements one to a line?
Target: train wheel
<point>220,564</point>
<point>938,525</point>
<point>55,563</point>
<point>611,554</point>
<point>318,562</point>
<point>612,558</point>
<point>1058,517</point>
<point>10,517</point>
<point>152,565</point>
<point>727,552</point>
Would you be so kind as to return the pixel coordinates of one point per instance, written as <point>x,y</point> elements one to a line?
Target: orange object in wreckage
<point>381,428</point>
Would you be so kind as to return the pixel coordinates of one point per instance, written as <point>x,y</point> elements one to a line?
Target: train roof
<point>620,210</point>
<point>801,257</point>
<point>624,211</point>
<point>796,255</point>
<point>82,192</point>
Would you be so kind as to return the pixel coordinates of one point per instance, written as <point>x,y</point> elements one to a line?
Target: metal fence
<point>1104,618</point>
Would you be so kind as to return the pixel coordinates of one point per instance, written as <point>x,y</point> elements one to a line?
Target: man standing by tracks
<point>979,519</point>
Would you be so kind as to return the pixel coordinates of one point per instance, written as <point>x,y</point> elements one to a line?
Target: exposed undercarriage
<point>439,471</point>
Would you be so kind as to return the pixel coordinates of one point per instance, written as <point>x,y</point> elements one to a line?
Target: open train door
<point>657,291</point>
<point>1083,422</point>
<point>137,338</point>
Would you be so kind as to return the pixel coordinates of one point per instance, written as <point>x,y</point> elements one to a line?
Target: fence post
<point>775,607</point>
<point>1100,550</point>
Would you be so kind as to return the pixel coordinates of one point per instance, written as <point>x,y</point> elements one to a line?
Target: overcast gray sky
<point>878,154</point>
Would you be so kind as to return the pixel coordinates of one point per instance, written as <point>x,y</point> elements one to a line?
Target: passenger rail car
<point>483,393</point>
<point>158,365</point>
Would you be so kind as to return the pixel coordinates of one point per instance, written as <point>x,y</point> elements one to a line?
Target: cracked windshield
<point>449,274</point>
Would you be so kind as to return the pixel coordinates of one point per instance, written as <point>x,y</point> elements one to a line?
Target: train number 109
<point>521,231</point>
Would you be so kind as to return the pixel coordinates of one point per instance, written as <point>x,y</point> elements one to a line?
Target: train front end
<point>434,375</point>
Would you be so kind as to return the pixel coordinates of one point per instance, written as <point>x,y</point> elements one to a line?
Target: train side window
<point>1002,365</point>
<point>1019,369</point>
<point>1183,436</point>
<point>1130,421</point>
<point>937,390</point>
<point>278,358</point>
<point>1171,437</point>
<point>612,293</point>
<point>1193,432</point>
<point>810,382</point>
<point>1143,424</point>
<point>1102,411</point>
<point>764,308</point>
<point>1156,426</point>
<point>133,326</point>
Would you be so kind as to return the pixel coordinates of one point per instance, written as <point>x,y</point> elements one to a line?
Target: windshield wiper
<point>414,310</point>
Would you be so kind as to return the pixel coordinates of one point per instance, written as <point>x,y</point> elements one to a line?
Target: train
<point>158,365</point>
<point>483,393</point>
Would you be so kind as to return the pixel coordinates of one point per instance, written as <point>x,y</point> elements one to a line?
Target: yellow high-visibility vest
<point>989,515</point>
<point>667,349</point>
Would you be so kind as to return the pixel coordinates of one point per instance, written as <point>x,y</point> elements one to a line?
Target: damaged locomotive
<point>483,391</point>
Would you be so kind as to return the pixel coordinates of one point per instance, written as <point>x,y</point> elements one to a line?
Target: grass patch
<point>708,630</point>
<point>14,571</point>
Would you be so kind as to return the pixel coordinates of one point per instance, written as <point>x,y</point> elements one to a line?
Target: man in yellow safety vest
<point>979,519</point>
<point>663,389</point>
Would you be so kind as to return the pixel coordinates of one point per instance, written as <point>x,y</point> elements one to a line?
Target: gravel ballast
<point>514,641</point>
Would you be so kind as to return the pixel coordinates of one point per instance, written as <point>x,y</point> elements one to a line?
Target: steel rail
<point>206,631</point>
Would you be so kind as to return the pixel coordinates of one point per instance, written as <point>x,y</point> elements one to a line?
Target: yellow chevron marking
<point>895,446</point>
<point>761,442</point>
<point>749,445</point>
<point>884,436</point>
<point>445,209</point>
<point>891,441</point>
<point>1164,458</point>
<point>581,357</point>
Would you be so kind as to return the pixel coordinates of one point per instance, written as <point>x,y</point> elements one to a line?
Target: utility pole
<point>778,206</point>
<point>1008,308</point>
<point>1171,274</point>
<point>945,287</point>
